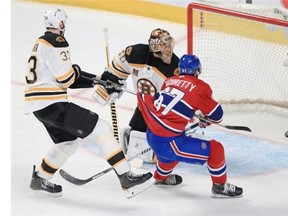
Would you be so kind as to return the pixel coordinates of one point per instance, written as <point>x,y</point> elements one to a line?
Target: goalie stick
<point>79,182</point>
<point>112,105</point>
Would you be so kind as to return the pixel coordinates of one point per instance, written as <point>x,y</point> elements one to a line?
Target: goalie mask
<point>55,19</point>
<point>161,44</point>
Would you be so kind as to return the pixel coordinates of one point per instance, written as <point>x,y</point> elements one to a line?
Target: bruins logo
<point>144,86</point>
<point>60,39</point>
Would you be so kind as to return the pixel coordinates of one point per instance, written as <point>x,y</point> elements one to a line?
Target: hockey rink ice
<point>256,161</point>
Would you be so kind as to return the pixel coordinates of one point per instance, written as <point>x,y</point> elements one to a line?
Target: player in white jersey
<point>50,73</point>
<point>148,65</point>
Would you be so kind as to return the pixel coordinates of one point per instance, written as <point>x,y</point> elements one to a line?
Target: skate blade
<point>222,196</point>
<point>133,191</point>
<point>43,194</point>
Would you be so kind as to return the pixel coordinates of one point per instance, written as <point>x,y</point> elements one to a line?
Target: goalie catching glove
<point>107,93</point>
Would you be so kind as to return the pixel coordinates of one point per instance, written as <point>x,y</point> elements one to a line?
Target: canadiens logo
<point>203,145</point>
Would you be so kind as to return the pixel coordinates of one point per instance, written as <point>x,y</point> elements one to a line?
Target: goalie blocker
<point>107,94</point>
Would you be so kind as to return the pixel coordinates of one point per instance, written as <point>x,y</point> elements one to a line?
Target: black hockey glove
<point>109,77</point>
<point>82,78</point>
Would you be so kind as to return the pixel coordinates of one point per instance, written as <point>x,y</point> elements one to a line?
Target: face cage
<point>163,48</point>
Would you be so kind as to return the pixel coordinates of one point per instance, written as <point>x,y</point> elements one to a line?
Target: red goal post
<point>243,54</point>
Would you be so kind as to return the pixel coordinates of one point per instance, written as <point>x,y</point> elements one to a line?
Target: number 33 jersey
<point>168,112</point>
<point>49,73</point>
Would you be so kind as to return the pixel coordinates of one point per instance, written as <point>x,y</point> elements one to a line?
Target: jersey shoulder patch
<point>55,40</point>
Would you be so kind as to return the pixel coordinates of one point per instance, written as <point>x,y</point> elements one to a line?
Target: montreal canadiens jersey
<point>147,72</point>
<point>49,73</point>
<point>168,112</point>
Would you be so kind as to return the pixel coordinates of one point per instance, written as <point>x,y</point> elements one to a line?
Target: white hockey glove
<point>107,94</point>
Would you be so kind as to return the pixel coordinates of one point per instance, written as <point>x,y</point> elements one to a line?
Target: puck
<point>286,134</point>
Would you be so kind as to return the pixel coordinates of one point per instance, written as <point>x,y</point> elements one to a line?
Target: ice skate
<point>172,179</point>
<point>43,188</point>
<point>135,183</point>
<point>226,190</point>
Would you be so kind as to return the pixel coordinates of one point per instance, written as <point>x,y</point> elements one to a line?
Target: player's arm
<point>66,74</point>
<point>119,66</point>
<point>211,109</point>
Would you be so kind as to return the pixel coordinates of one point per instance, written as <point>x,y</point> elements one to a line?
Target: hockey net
<point>243,50</point>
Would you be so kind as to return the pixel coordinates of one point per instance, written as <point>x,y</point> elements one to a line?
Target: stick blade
<point>244,128</point>
<point>72,179</point>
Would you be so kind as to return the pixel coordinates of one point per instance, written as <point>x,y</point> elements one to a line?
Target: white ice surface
<point>256,161</point>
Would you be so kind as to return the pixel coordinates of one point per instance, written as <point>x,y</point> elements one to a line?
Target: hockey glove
<point>102,96</point>
<point>107,93</point>
<point>82,78</point>
<point>113,80</point>
<point>203,123</point>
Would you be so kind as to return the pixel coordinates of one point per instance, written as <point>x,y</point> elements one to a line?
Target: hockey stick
<point>244,128</point>
<point>78,181</point>
<point>112,105</point>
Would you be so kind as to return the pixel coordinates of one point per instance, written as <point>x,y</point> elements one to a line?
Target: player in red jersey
<point>167,114</point>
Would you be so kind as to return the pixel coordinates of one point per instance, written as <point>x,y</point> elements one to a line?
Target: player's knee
<point>102,132</point>
<point>217,154</point>
<point>69,147</point>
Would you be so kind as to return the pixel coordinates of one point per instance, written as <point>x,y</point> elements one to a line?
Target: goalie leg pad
<point>124,138</point>
<point>138,143</point>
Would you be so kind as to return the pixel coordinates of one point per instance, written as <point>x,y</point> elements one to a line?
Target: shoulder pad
<point>55,40</point>
<point>137,53</point>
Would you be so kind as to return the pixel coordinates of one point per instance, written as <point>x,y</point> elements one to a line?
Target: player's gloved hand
<point>203,123</point>
<point>107,94</point>
<point>114,80</point>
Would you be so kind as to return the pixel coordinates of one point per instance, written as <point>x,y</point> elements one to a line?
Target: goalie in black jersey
<point>50,74</point>
<point>148,65</point>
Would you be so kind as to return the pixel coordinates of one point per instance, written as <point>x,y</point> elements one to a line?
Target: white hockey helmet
<point>55,19</point>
